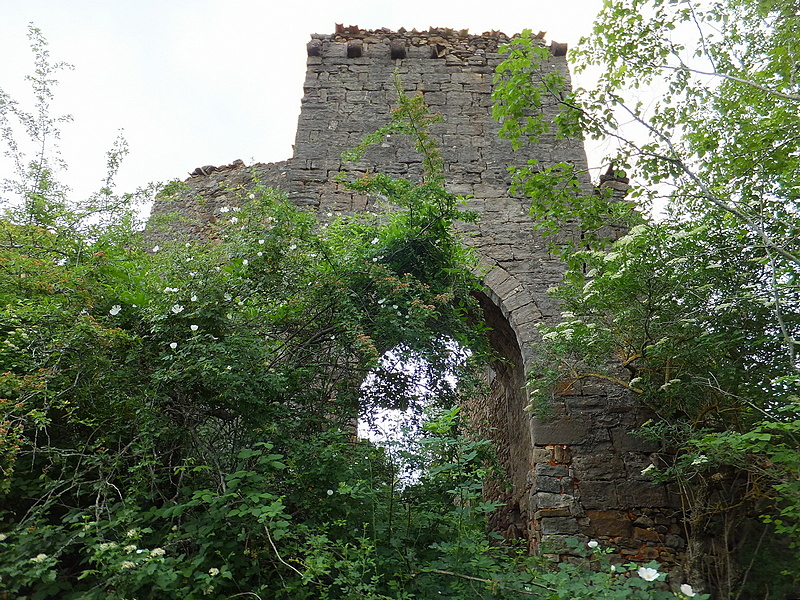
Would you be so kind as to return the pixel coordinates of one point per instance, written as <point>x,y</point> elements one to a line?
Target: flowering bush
<point>178,422</point>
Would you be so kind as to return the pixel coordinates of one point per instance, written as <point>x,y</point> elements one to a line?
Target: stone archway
<point>501,417</point>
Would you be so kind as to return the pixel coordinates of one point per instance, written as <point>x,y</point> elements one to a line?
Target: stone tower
<point>579,472</point>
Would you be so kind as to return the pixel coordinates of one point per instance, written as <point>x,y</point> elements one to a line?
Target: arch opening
<point>501,417</point>
<point>498,414</point>
<point>417,388</point>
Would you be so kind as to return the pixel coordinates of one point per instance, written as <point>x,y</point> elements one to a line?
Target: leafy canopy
<point>698,307</point>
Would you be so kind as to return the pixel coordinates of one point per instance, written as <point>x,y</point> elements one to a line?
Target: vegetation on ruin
<point>177,421</point>
<point>699,304</point>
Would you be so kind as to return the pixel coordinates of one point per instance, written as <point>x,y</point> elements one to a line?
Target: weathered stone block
<point>559,526</point>
<point>547,500</point>
<point>674,541</point>
<point>610,523</point>
<point>627,442</point>
<point>598,495</point>
<point>598,465</point>
<point>643,494</point>
<point>564,431</point>
<point>548,484</point>
<point>646,535</point>
<point>551,470</point>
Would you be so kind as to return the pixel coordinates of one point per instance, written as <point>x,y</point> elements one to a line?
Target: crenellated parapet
<point>453,46</point>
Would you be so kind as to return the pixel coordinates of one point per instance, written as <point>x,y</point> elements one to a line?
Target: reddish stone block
<point>646,535</point>
<point>612,523</point>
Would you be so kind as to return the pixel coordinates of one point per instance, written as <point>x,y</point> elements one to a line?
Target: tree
<point>698,307</point>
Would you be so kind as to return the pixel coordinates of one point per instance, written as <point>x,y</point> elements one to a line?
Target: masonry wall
<point>577,473</point>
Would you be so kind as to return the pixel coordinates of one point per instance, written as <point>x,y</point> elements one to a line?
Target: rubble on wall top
<point>354,31</point>
<point>434,35</point>
<point>208,169</point>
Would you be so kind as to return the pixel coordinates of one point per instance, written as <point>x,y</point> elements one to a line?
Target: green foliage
<point>412,117</point>
<point>696,312</point>
<point>533,102</point>
<point>178,422</point>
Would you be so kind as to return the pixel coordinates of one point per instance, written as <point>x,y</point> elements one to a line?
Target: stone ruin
<point>577,473</point>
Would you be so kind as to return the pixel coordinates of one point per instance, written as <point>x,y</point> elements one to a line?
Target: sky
<point>206,82</point>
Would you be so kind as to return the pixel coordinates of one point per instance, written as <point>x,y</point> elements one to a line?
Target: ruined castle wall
<point>577,472</point>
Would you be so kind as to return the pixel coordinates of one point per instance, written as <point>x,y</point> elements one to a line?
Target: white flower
<point>252,196</point>
<point>188,244</point>
<point>213,571</point>
<point>3,537</point>
<point>375,259</point>
<point>613,568</point>
<point>193,327</point>
<point>330,492</point>
<point>228,297</point>
<point>293,247</point>
<point>260,241</point>
<point>228,367</point>
<point>329,214</point>
<point>139,551</point>
<point>224,209</point>
<point>260,254</point>
<point>687,590</point>
<point>234,220</point>
<point>157,552</point>
<point>176,308</point>
<point>156,248</point>
<point>106,545</point>
<point>189,259</point>
<point>193,298</point>
<point>648,574</point>
<point>128,564</point>
<point>236,208</point>
<point>173,345</point>
<point>115,310</point>
<point>39,558</point>
<point>700,460</point>
<point>130,533</point>
<point>593,544</point>
<point>375,240</point>
<point>245,262</point>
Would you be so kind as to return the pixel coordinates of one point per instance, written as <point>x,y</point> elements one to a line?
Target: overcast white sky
<point>209,81</point>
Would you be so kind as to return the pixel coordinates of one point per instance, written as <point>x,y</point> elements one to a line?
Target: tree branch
<point>493,582</point>
<point>747,82</point>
